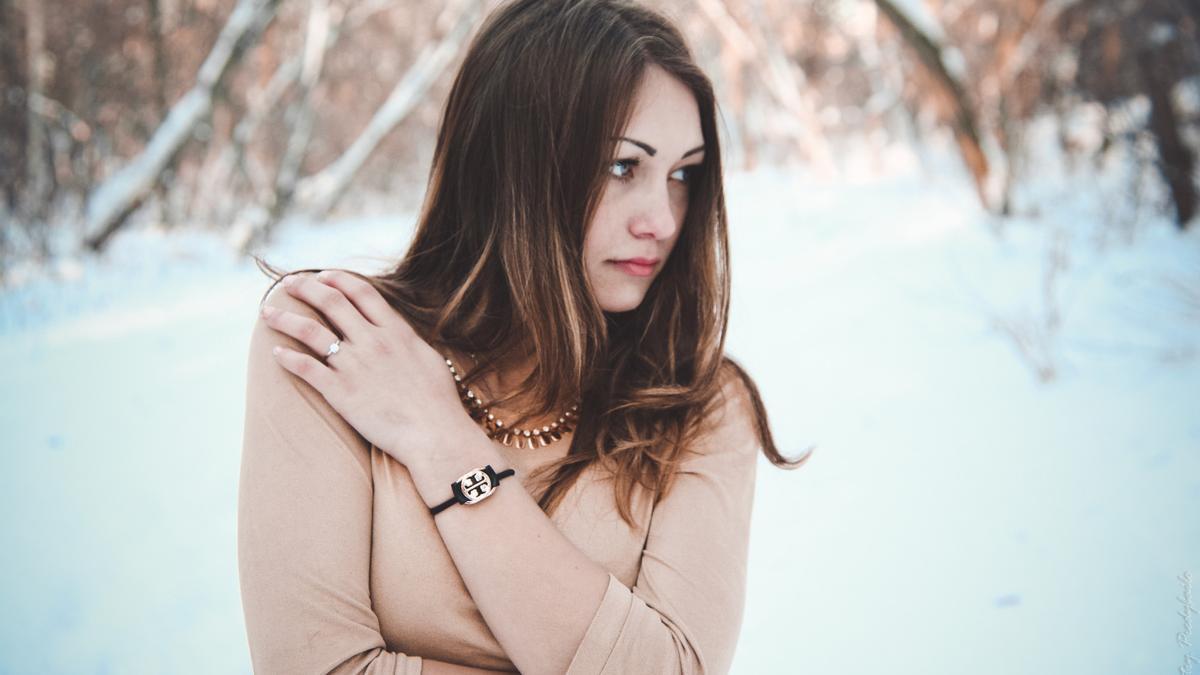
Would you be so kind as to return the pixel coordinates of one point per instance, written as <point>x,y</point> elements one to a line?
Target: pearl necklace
<point>495,428</point>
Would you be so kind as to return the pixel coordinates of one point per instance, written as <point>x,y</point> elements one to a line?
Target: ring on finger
<point>310,332</point>
<point>334,347</point>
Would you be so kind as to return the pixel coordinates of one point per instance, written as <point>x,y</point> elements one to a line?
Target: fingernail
<point>289,280</point>
<point>267,310</point>
<point>277,350</point>
<point>324,274</point>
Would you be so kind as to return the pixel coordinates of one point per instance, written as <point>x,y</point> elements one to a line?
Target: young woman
<point>560,314</point>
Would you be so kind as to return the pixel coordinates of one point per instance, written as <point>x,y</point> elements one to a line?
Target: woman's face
<point>646,195</point>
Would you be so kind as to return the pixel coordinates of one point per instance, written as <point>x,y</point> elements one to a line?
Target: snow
<point>957,514</point>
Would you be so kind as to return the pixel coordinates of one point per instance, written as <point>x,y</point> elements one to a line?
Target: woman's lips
<point>636,269</point>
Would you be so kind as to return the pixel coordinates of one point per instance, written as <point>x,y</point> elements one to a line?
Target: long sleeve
<point>304,525</point>
<point>684,613</point>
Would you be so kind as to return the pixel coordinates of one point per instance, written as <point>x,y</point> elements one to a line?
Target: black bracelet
<point>473,487</point>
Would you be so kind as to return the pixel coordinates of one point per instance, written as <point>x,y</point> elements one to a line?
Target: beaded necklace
<point>509,436</point>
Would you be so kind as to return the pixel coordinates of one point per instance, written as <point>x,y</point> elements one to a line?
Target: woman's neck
<point>505,379</point>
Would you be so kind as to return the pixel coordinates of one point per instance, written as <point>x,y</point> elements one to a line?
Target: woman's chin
<point>624,301</point>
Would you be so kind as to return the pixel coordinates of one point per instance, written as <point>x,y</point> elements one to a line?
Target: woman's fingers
<point>307,368</point>
<point>364,296</point>
<point>330,301</point>
<point>310,332</point>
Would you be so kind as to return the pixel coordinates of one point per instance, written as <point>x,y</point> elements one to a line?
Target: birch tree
<point>319,193</point>
<point>39,179</point>
<point>110,205</point>
<point>963,121</point>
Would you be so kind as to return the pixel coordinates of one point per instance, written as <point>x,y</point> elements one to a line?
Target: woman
<point>560,313</point>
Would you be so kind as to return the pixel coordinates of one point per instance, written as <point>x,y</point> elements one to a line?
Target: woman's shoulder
<point>277,296</point>
<point>729,421</point>
<point>733,402</point>
<point>264,370</point>
<point>282,401</point>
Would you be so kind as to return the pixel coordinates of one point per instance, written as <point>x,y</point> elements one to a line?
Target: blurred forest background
<point>235,114</point>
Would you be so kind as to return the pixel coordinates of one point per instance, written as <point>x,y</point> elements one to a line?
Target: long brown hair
<point>496,266</point>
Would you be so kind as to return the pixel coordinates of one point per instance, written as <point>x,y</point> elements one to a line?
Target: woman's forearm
<point>536,591</point>
<point>435,667</point>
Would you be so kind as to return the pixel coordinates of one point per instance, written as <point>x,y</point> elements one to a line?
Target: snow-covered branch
<point>123,192</point>
<point>320,192</point>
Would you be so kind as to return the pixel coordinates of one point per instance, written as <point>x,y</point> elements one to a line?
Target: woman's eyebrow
<point>651,150</point>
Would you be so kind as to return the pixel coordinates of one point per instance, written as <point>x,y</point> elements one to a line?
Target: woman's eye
<point>684,174</point>
<point>623,168</point>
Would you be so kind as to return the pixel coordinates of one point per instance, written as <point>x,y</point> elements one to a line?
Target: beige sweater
<point>342,569</point>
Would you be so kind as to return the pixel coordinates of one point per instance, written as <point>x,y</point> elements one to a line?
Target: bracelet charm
<point>473,487</point>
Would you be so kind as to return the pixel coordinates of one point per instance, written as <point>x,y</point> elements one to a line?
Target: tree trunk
<point>319,193</point>
<point>13,113</point>
<point>253,225</point>
<point>777,72</point>
<point>39,176</point>
<point>230,171</point>
<point>963,122</point>
<point>119,195</point>
<point>1176,162</point>
<point>319,37</point>
<point>160,56</point>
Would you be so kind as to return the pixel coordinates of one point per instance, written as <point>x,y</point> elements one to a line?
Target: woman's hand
<point>384,380</point>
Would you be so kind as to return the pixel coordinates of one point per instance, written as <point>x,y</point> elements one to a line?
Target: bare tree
<point>299,126</point>
<point>1176,160</point>
<point>963,118</point>
<point>319,36</point>
<point>1128,50</point>
<point>112,203</point>
<point>744,42</point>
<point>39,177</point>
<point>320,192</point>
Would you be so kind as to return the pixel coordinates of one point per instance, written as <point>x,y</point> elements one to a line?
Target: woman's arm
<point>304,528</point>
<point>554,610</point>
<point>435,667</point>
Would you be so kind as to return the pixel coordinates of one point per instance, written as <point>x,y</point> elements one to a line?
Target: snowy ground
<point>959,515</point>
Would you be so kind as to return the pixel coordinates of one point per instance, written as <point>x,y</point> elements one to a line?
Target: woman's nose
<point>654,218</point>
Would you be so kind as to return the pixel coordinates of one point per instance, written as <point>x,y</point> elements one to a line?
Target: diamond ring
<point>333,348</point>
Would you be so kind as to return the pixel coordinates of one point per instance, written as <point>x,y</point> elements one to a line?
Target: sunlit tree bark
<point>964,120</point>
